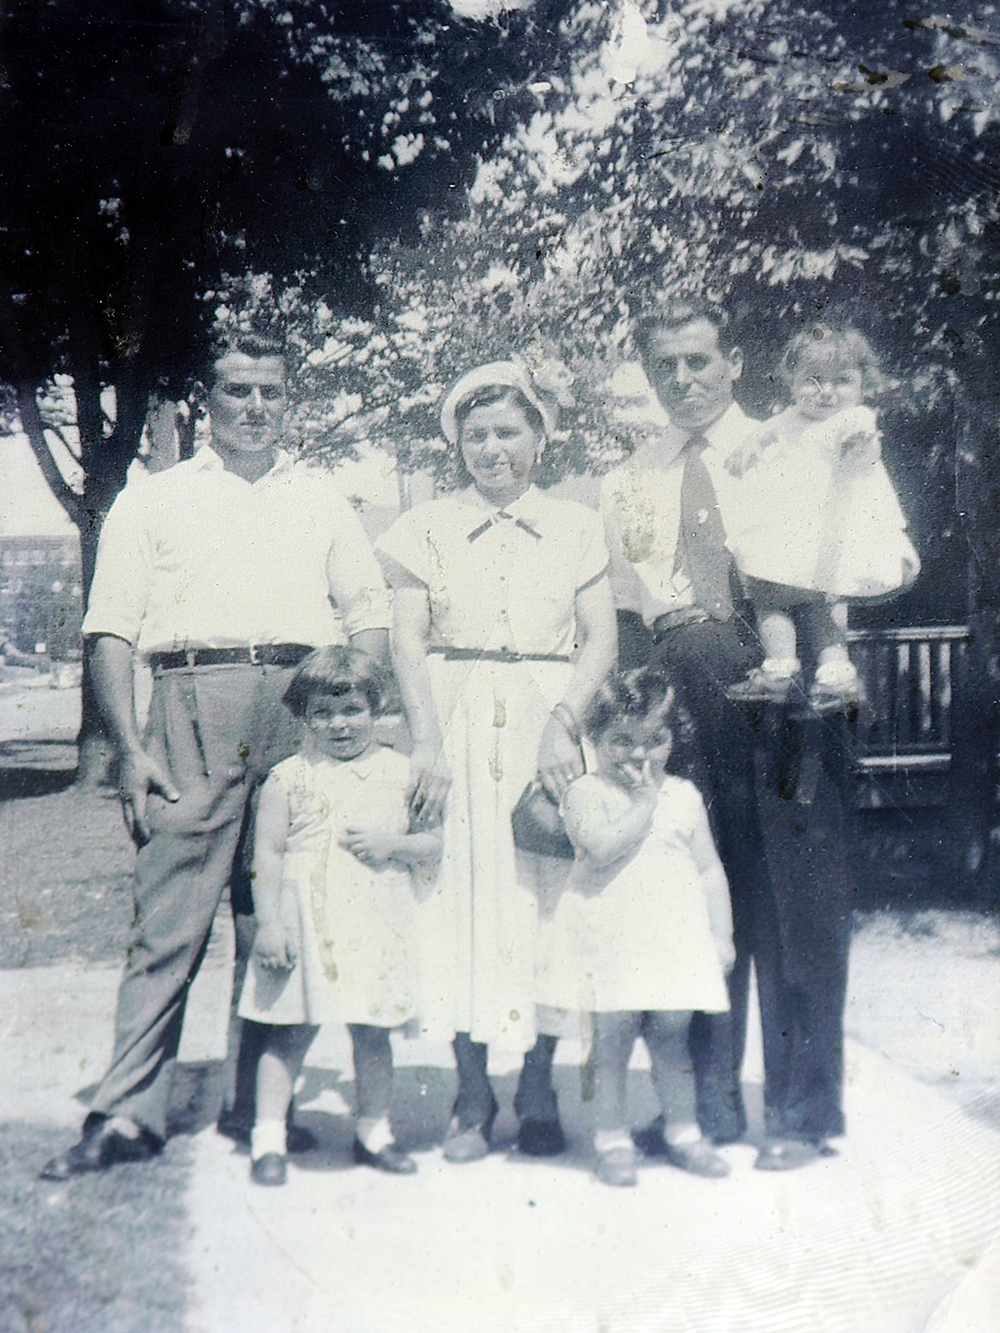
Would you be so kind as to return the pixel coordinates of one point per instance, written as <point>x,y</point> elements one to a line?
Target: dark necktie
<point>701,546</point>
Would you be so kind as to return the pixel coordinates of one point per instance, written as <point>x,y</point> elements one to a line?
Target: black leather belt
<point>679,619</point>
<point>259,654</point>
<point>494,655</point>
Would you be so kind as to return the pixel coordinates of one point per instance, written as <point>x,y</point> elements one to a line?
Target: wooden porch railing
<point>905,738</point>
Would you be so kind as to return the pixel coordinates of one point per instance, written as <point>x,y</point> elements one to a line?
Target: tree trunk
<point>105,460</point>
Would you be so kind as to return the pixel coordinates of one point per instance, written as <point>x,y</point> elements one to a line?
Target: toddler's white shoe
<point>835,685</point>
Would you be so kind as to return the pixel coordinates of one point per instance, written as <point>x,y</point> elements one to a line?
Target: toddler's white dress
<point>819,514</point>
<point>637,934</point>
<point>354,924</point>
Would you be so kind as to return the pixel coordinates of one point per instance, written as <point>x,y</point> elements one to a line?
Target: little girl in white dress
<point>820,523</point>
<point>334,900</point>
<point>642,933</point>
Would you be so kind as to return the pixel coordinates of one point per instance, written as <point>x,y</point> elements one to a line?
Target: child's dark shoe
<point>616,1166</point>
<point>271,1169</point>
<point>699,1158</point>
<point>390,1159</point>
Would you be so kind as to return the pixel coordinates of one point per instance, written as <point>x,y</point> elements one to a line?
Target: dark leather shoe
<point>787,1154</point>
<point>541,1138</point>
<point>99,1148</point>
<point>298,1139</point>
<point>390,1158</point>
<point>649,1140</point>
<point>271,1169</point>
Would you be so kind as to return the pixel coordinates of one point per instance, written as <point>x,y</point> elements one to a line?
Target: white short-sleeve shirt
<point>197,557</point>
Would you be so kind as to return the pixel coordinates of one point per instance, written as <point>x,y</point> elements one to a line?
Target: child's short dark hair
<point>333,671</point>
<point>634,694</point>
<point>834,349</point>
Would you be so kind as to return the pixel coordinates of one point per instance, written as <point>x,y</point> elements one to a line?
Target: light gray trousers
<point>217,730</point>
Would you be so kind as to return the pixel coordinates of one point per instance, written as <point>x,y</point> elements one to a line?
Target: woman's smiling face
<point>500,448</point>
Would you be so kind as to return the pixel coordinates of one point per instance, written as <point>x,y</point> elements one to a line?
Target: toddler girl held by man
<point>335,906</point>
<point>821,522</point>
<point>642,933</point>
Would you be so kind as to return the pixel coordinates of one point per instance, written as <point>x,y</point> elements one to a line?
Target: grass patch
<point>97,1254</point>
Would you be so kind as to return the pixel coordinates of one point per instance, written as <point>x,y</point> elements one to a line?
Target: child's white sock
<point>681,1132</point>
<point>375,1134</point>
<point>267,1136</point>
<point>607,1139</point>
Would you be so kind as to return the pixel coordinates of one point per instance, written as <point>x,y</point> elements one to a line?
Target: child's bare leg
<point>372,1084</point>
<point>827,623</point>
<point>373,1141</point>
<point>666,1036</point>
<point>776,627</point>
<point>279,1066</point>
<point>614,1037</point>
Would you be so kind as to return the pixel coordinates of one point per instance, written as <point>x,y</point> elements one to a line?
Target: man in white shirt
<point>225,571</point>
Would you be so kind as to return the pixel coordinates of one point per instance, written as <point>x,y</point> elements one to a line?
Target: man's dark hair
<point>675,312</point>
<point>249,343</point>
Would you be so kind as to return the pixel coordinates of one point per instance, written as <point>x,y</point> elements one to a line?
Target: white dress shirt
<point>641,507</point>
<point>197,557</point>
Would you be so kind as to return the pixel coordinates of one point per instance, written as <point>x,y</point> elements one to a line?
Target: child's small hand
<point>371,848</point>
<point>272,947</point>
<point>645,780</point>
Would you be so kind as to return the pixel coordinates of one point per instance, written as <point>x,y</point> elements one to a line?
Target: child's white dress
<point>637,935</point>
<point>354,925</point>
<point>820,516</point>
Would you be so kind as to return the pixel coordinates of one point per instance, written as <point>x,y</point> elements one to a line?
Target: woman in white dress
<point>503,630</point>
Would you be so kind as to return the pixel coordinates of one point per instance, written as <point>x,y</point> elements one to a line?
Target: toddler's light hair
<point>825,349</point>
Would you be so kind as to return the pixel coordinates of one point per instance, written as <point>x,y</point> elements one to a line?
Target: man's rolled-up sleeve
<point>119,593</point>
<point>354,576</point>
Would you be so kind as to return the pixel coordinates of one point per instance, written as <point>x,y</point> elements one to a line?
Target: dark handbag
<point>538,825</point>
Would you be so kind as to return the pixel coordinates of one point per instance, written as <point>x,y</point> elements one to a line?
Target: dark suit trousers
<point>778,792</point>
<point>217,731</point>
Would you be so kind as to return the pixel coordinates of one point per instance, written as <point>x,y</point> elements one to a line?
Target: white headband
<point>508,374</point>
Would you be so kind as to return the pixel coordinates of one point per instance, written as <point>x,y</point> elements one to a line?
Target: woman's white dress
<point>354,925</point>
<point>637,934</point>
<point>819,516</point>
<point>498,581</point>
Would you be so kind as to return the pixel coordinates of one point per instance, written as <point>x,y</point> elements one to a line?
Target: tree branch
<point>31,423</point>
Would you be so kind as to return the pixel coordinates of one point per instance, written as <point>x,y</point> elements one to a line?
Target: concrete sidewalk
<point>872,1241</point>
